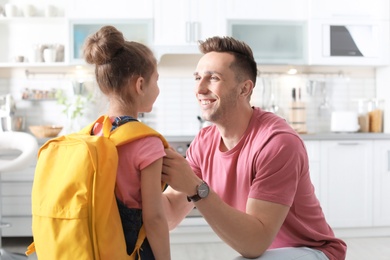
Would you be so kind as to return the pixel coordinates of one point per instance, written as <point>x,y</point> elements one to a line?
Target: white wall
<point>176,110</point>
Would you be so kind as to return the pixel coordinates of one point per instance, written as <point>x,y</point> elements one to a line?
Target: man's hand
<point>178,173</point>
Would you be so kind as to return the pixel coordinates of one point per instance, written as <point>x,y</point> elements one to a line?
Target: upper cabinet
<point>273,42</point>
<point>346,9</point>
<point>346,33</point>
<point>349,42</point>
<point>275,30</point>
<point>140,30</point>
<point>133,18</point>
<point>180,24</point>
<point>267,10</point>
<point>62,27</point>
<point>113,9</point>
<point>281,32</point>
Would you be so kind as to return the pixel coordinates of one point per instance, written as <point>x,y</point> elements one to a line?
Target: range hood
<point>167,50</point>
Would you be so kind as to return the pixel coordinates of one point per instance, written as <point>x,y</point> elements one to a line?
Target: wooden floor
<point>376,248</point>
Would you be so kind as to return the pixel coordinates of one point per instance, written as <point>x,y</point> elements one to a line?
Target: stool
<point>27,145</point>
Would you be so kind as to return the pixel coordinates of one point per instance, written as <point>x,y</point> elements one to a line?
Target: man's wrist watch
<point>202,191</point>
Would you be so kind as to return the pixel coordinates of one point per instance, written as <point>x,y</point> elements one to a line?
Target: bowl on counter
<point>45,131</point>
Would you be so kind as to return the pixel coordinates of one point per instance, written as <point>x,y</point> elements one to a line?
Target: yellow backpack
<point>74,209</point>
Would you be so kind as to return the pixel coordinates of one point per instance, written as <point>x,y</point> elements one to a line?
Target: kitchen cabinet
<point>276,35</point>
<point>349,42</point>
<point>16,201</point>
<point>180,24</point>
<point>345,33</point>
<point>346,182</point>
<point>313,152</point>
<point>345,9</point>
<point>70,28</point>
<point>273,42</point>
<point>381,183</point>
<point>140,30</point>
<point>113,9</point>
<point>267,10</point>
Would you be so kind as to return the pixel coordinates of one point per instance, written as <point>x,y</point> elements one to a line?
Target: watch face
<point>203,190</point>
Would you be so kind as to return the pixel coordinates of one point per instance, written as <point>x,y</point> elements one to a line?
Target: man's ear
<point>246,88</point>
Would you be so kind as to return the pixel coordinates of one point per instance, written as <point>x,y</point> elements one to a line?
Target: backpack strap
<point>138,244</point>
<point>125,133</point>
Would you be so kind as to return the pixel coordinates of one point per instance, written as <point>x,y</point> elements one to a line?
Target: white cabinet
<point>346,182</point>
<point>25,36</point>
<point>267,10</point>
<point>381,176</point>
<point>183,22</point>
<point>349,42</point>
<point>313,152</point>
<point>273,42</point>
<point>113,9</point>
<point>140,30</point>
<point>345,9</point>
<point>275,30</point>
<point>346,33</point>
<point>16,201</point>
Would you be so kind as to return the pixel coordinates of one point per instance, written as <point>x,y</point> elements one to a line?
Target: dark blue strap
<point>120,120</point>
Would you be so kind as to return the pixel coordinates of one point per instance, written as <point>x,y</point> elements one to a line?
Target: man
<point>248,173</point>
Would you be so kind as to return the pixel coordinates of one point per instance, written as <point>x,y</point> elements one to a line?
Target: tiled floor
<point>376,248</point>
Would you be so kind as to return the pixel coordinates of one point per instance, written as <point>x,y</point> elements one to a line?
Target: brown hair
<point>117,61</point>
<point>244,62</point>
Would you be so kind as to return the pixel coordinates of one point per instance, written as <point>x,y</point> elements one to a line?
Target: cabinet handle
<point>195,31</point>
<point>388,161</point>
<point>188,32</point>
<point>348,143</point>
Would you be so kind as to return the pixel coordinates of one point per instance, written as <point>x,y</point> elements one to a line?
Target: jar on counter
<point>375,114</point>
<point>363,117</point>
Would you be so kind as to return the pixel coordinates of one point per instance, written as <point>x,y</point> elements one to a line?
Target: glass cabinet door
<point>273,42</point>
<point>133,30</point>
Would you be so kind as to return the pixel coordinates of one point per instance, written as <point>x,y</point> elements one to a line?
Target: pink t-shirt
<point>132,158</point>
<point>269,163</point>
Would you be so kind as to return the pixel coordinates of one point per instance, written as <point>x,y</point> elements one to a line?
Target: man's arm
<point>250,233</point>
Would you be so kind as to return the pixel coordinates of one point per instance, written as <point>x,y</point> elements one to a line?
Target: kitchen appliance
<point>344,121</point>
<point>8,120</point>
<point>12,123</point>
<point>7,105</point>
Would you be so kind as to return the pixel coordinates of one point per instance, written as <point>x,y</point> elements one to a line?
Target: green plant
<point>75,106</point>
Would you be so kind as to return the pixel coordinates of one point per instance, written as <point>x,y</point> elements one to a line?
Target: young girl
<point>126,73</point>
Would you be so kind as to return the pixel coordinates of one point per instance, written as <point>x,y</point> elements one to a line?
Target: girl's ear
<point>139,85</point>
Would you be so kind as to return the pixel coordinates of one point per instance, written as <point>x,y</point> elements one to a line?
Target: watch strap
<point>193,198</point>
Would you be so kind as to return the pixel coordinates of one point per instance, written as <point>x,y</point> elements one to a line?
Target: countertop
<point>311,137</point>
<point>345,136</point>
